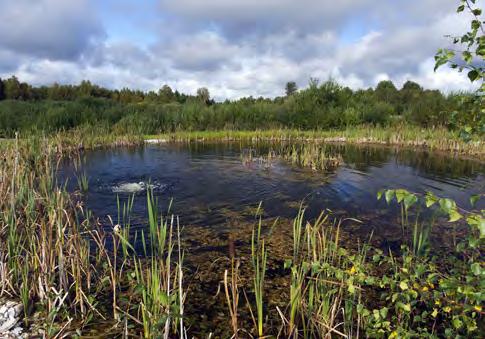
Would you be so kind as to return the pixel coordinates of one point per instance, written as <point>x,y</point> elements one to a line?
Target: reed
<point>407,136</point>
<point>259,257</point>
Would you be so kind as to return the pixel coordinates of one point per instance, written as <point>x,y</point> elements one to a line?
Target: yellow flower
<point>447,309</point>
<point>352,270</point>
<point>393,335</point>
<point>437,302</point>
<point>478,308</point>
<point>424,289</point>
<point>435,313</point>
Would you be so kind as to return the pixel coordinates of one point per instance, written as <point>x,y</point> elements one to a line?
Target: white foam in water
<point>135,187</point>
<point>130,187</point>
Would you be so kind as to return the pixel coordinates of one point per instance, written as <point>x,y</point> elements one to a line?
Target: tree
<point>85,88</point>
<point>12,88</point>
<point>2,95</point>
<point>469,56</point>
<point>166,94</point>
<point>290,88</point>
<point>203,95</point>
<point>386,91</point>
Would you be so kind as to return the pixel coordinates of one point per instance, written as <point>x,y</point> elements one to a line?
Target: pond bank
<point>440,140</point>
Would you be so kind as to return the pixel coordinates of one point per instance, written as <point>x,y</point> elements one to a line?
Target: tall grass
<point>64,266</point>
<point>436,139</point>
<point>259,256</point>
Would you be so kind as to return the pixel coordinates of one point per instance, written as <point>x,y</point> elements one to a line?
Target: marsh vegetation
<point>78,274</point>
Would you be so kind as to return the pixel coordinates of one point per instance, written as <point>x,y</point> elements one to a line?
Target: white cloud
<point>52,29</point>
<point>234,48</point>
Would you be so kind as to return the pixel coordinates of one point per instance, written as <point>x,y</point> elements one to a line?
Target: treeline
<point>319,106</point>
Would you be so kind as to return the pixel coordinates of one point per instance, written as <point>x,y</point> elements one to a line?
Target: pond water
<point>209,182</point>
<point>215,190</point>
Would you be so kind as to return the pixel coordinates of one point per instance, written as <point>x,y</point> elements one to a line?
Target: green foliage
<point>428,296</point>
<point>290,88</point>
<point>320,106</point>
<point>469,56</point>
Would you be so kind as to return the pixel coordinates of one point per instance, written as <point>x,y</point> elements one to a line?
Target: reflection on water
<point>209,183</point>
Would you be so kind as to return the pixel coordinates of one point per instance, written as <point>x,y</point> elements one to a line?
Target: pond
<point>209,182</point>
<point>216,189</point>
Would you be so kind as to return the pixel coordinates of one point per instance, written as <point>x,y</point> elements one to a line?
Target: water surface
<point>209,183</point>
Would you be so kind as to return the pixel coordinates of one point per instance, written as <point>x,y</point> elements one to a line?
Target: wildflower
<point>435,313</point>
<point>478,308</point>
<point>447,309</point>
<point>352,270</point>
<point>424,289</point>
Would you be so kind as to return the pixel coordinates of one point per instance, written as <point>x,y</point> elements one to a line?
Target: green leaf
<point>474,198</point>
<point>389,196</point>
<point>457,323</point>
<point>401,194</point>
<point>475,24</point>
<point>467,56</point>
<point>454,215</point>
<point>405,307</point>
<point>447,204</point>
<point>410,200</point>
<point>403,285</point>
<point>478,222</point>
<point>473,75</point>
<point>476,268</point>
<point>379,194</point>
<point>460,8</point>
<point>431,199</point>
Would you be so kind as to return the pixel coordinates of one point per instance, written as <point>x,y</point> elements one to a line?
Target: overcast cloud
<point>235,48</point>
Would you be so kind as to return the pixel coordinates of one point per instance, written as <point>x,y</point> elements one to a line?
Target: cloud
<point>51,29</point>
<point>244,17</point>
<point>235,48</point>
<point>205,51</point>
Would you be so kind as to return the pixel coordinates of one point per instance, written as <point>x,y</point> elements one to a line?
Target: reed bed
<point>63,265</point>
<point>434,139</point>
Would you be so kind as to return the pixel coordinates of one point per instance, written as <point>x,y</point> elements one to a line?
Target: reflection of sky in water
<point>206,180</point>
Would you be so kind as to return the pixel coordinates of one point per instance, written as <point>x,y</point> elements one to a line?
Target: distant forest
<point>325,105</point>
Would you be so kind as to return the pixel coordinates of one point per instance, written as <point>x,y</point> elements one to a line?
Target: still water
<point>208,183</point>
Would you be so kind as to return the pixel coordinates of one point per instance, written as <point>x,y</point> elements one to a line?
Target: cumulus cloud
<point>235,48</point>
<point>52,29</point>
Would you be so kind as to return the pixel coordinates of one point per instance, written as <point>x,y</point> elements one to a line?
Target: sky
<point>234,48</point>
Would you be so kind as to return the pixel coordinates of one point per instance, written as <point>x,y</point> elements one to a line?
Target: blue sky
<point>235,48</point>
